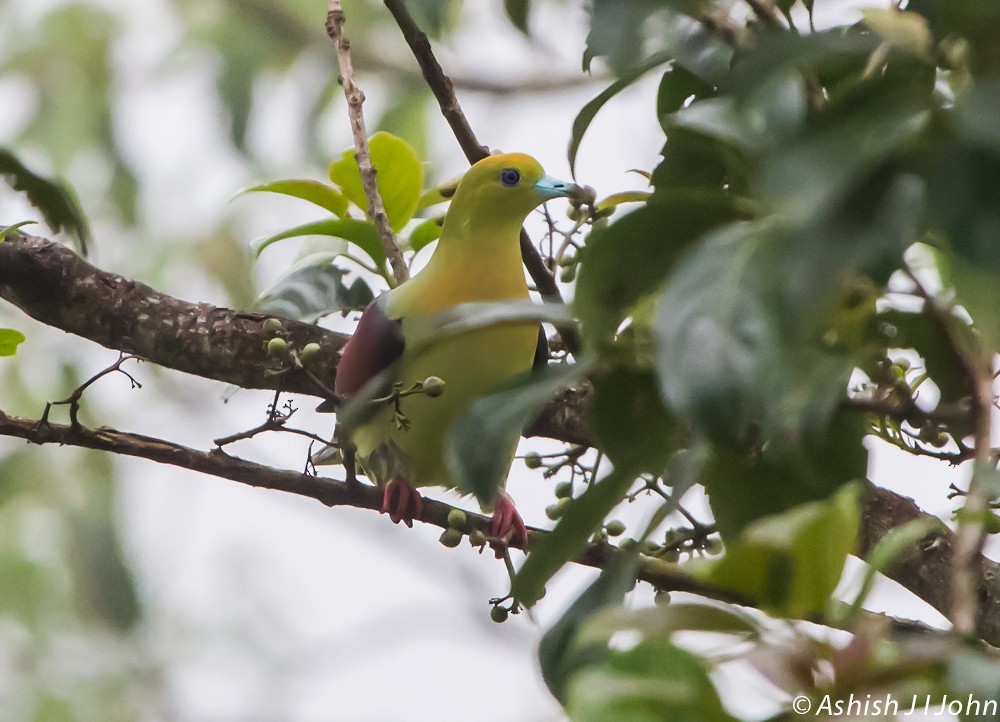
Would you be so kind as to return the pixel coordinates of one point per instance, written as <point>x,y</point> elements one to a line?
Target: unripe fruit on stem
<point>615,527</point>
<point>273,326</point>
<point>477,538</point>
<point>567,274</point>
<point>532,460</point>
<point>277,348</point>
<point>433,386</point>
<point>564,489</point>
<point>457,519</point>
<point>309,351</point>
<point>451,538</point>
<point>499,614</point>
<point>627,545</point>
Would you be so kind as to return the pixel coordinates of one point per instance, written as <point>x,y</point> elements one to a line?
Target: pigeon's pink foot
<point>402,502</point>
<point>506,526</point>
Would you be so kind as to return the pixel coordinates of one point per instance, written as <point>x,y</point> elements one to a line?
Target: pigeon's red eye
<point>510,177</point>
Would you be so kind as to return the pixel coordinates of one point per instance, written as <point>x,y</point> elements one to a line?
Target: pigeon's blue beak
<point>549,187</point>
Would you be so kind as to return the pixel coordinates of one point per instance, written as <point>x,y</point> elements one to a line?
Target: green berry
<point>568,274</point>
<point>532,460</point>
<point>564,490</point>
<point>556,510</point>
<point>650,547</point>
<point>477,538</point>
<point>451,538</point>
<point>457,519</point>
<point>628,544</point>
<point>615,527</point>
<point>661,597</point>
<point>309,351</point>
<point>567,260</point>
<point>499,614</point>
<point>433,386</point>
<point>277,348</point>
<point>991,523</point>
<point>273,326</point>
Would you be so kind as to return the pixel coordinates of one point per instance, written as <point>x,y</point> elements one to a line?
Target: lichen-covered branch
<point>52,284</point>
<point>335,19</point>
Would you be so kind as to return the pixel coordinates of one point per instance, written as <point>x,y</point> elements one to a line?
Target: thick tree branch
<point>52,284</point>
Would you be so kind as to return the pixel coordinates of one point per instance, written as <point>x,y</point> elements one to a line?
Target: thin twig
<point>444,91</point>
<point>331,492</point>
<point>970,535</point>
<point>335,20</point>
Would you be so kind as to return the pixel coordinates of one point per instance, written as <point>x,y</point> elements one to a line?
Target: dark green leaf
<point>677,85</point>
<point>53,197</point>
<point>652,681</point>
<point>714,333</point>
<point>745,486</point>
<point>314,290</point>
<point>517,13</point>
<point>9,341</point>
<point>580,520</point>
<point>791,562</point>
<point>479,444</point>
<point>587,113</point>
<point>322,195</point>
<point>629,421</point>
<point>559,653</point>
<point>631,257</point>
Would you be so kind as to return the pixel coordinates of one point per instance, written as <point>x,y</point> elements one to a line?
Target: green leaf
<point>360,233</point>
<point>714,333</point>
<point>517,13</point>
<point>400,177</point>
<point>677,85</point>
<point>814,463</point>
<point>11,229</point>
<point>587,113</point>
<point>9,341</point>
<point>616,199</point>
<point>631,257</point>
<point>652,681</point>
<point>664,619</point>
<point>791,562</point>
<point>314,289</point>
<point>629,422</point>
<point>315,192</point>
<point>560,652</point>
<point>479,444</point>
<point>581,518</point>
<point>426,232</point>
<point>54,198</point>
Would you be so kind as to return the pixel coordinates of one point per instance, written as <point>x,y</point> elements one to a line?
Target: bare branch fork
<point>335,19</point>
